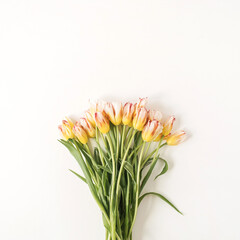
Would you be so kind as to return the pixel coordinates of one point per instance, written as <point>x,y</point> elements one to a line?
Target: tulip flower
<point>176,138</point>
<point>66,129</point>
<point>114,112</point>
<point>128,111</point>
<point>102,122</point>
<point>168,125</point>
<point>87,127</point>
<point>140,118</point>
<point>80,133</point>
<point>154,115</point>
<point>98,106</point>
<point>90,118</point>
<point>151,130</point>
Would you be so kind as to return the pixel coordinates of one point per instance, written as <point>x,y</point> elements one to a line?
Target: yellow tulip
<point>66,129</point>
<point>98,106</point>
<point>140,118</point>
<point>102,122</point>
<point>80,133</point>
<point>90,118</point>
<point>168,125</point>
<point>128,111</point>
<point>176,138</point>
<point>114,112</point>
<point>87,127</point>
<point>151,130</point>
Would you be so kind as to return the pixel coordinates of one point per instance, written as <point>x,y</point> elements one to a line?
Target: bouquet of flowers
<point>117,148</point>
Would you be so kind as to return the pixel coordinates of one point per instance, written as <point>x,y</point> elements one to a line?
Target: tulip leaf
<point>82,178</point>
<point>149,172</point>
<point>160,196</point>
<point>164,170</point>
<point>129,168</point>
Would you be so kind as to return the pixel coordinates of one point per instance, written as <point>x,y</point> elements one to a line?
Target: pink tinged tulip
<point>87,127</point>
<point>80,133</point>
<point>151,130</point>
<point>128,111</point>
<point>66,129</point>
<point>102,122</point>
<point>176,138</point>
<point>168,125</point>
<point>98,106</point>
<point>114,112</point>
<point>154,115</point>
<point>140,118</point>
<point>90,118</point>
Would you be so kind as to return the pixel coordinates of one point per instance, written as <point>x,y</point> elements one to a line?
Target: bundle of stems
<point>116,166</point>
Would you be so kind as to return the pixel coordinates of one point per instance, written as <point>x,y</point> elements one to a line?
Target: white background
<point>183,55</point>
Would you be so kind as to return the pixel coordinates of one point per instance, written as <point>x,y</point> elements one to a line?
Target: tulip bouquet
<point>111,143</point>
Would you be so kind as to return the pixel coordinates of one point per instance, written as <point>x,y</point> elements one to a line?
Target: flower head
<point>102,122</point>
<point>114,112</point>
<point>80,133</point>
<point>154,115</point>
<point>176,138</point>
<point>87,127</point>
<point>66,128</point>
<point>140,118</point>
<point>90,118</point>
<point>98,106</point>
<point>151,130</point>
<point>168,125</point>
<point>128,111</point>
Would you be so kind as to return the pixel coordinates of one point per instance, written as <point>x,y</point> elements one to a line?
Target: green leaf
<point>129,169</point>
<point>160,196</point>
<point>105,169</point>
<point>164,170</point>
<point>82,178</point>
<point>149,172</point>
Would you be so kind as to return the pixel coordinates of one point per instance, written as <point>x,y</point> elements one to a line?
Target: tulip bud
<point>140,118</point>
<point>98,106</point>
<point>114,112</point>
<point>87,127</point>
<point>128,111</point>
<point>90,118</point>
<point>102,122</point>
<point>154,115</point>
<point>66,129</point>
<point>80,133</point>
<point>168,125</point>
<point>176,138</point>
<point>151,130</point>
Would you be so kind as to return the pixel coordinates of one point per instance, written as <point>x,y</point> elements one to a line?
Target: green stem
<point>137,189</point>
<point>122,165</point>
<point>123,138</point>
<point>99,148</point>
<point>152,165</point>
<point>112,209</point>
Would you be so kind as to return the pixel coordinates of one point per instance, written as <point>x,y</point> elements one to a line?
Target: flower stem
<point>112,208</point>
<point>137,190</point>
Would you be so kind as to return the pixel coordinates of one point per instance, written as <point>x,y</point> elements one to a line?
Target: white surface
<point>183,55</point>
